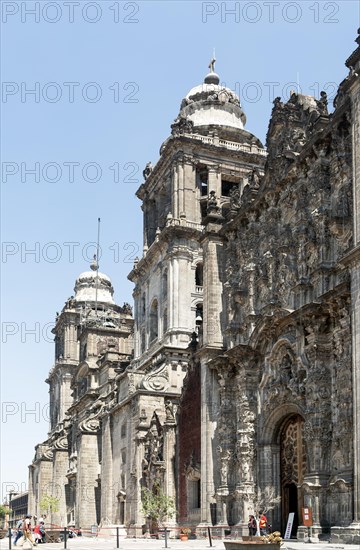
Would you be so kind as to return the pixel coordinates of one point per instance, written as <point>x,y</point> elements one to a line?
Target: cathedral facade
<point>238,374</point>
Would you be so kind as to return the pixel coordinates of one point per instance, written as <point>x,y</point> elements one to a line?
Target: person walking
<point>19,533</point>
<point>39,532</point>
<point>252,526</point>
<point>262,523</point>
<point>26,528</point>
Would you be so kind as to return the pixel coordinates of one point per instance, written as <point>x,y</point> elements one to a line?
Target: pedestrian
<point>26,529</point>
<point>262,523</point>
<point>39,532</point>
<point>252,526</point>
<point>19,533</point>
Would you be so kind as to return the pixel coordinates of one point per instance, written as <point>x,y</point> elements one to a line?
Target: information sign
<point>289,525</point>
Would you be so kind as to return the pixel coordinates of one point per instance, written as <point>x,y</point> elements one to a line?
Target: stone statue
<point>127,309</point>
<point>254,179</point>
<point>169,410</point>
<point>147,170</point>
<point>323,103</point>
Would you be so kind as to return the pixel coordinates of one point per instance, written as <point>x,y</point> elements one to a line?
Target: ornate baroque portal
<point>293,469</point>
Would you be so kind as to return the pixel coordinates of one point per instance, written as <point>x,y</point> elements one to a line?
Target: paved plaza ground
<point>85,543</point>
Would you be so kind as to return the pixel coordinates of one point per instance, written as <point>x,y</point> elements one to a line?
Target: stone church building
<point>239,369</point>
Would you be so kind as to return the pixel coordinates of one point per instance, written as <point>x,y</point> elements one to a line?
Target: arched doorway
<point>292,470</point>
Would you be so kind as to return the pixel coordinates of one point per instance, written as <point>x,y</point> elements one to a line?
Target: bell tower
<point>203,164</point>
<point>186,196</point>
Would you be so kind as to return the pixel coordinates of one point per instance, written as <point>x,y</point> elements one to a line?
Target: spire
<point>212,77</point>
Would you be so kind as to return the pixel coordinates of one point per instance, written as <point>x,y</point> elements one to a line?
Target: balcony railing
<point>233,145</point>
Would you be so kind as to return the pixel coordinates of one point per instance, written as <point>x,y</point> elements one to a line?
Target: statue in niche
<point>244,469</point>
<point>169,410</point>
<point>254,179</point>
<point>235,197</point>
<point>147,170</point>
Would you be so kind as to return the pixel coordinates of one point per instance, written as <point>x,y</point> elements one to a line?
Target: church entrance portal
<point>293,468</point>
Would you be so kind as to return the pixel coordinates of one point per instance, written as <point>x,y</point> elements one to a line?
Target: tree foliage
<point>4,510</point>
<point>157,506</point>
<point>49,504</point>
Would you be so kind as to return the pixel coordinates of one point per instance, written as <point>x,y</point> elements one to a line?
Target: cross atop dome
<point>212,77</point>
<point>212,63</point>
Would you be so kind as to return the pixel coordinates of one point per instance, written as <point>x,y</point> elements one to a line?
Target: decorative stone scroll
<point>157,379</point>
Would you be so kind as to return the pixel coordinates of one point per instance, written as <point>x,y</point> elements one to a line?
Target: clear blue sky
<point>108,79</point>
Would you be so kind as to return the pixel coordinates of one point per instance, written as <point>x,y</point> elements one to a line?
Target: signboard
<point>289,525</point>
<point>307,516</point>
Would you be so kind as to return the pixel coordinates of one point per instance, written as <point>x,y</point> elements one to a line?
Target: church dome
<point>91,286</point>
<point>210,103</point>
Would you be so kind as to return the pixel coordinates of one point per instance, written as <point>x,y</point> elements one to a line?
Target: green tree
<point>157,506</point>
<point>49,504</point>
<point>4,510</point>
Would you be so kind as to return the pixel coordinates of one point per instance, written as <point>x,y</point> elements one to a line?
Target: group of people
<point>34,535</point>
<point>264,527</point>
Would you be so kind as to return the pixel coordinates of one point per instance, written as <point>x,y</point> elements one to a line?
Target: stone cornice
<point>183,229</point>
<point>200,145</point>
<point>352,258</point>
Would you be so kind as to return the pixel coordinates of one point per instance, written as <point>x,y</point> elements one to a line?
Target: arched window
<point>198,317</point>
<point>165,321</point>
<point>154,320</point>
<point>143,305</point>
<point>164,285</point>
<point>199,275</point>
<point>143,341</point>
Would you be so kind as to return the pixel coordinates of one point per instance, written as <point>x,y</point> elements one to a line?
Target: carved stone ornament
<point>182,125</point>
<point>61,444</point>
<point>92,423</point>
<point>48,454</point>
<point>157,379</point>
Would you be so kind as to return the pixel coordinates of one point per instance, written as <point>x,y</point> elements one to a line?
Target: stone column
<point>169,459</point>
<point>87,475</point>
<point>181,192</point>
<point>175,192</point>
<point>59,479</point>
<point>32,494</point>
<point>213,307</point>
<point>185,287</point>
<point>191,197</point>
<point>65,392</point>
<point>175,272</point>
<point>171,294</point>
<point>214,181</point>
<point>137,513</point>
<point>208,422</point>
<point>107,488</point>
<point>45,469</point>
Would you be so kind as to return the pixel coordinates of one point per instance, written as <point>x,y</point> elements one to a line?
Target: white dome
<point>91,286</point>
<point>215,115</point>
<point>210,88</point>
<point>210,103</point>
